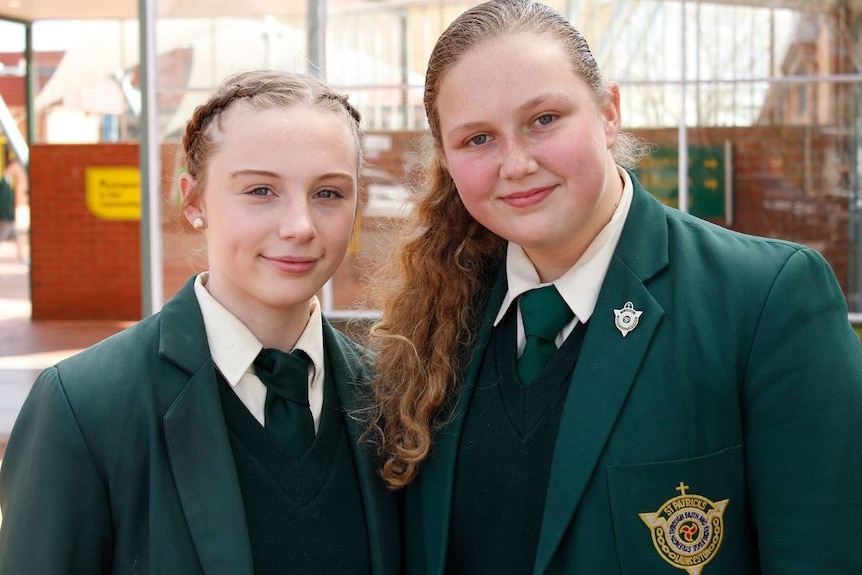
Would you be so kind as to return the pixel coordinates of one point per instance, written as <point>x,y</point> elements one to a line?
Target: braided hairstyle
<point>261,90</point>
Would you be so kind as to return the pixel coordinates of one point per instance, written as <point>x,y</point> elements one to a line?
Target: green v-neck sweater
<point>305,515</point>
<point>504,458</point>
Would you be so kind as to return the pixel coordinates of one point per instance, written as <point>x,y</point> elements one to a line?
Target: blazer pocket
<point>687,515</point>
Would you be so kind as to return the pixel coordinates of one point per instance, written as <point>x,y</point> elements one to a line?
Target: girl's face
<point>528,148</point>
<point>279,203</point>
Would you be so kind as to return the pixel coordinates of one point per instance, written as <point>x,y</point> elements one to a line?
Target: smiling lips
<point>528,198</point>
<point>292,264</point>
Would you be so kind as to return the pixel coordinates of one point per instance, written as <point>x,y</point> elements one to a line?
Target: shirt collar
<point>581,284</point>
<point>311,339</point>
<point>234,347</point>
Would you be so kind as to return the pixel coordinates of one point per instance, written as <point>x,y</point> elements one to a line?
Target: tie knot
<point>285,374</point>
<point>544,312</point>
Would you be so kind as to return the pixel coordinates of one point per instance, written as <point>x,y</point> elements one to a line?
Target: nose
<point>297,221</point>
<point>517,161</point>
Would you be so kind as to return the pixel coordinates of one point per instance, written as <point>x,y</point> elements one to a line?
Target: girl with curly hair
<point>574,378</point>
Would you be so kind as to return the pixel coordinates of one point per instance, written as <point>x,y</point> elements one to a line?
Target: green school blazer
<point>721,435</point>
<point>120,460</point>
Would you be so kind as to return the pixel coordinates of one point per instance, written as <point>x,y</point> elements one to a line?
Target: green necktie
<point>544,313</point>
<point>286,412</point>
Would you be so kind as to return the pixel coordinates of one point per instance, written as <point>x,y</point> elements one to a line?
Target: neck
<point>274,326</point>
<point>280,329</point>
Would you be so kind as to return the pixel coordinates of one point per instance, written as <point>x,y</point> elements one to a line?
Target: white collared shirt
<point>234,348</point>
<point>581,284</point>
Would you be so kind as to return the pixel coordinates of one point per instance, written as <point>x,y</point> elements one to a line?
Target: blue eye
<point>328,193</point>
<point>259,192</point>
<point>545,119</point>
<point>479,140</point>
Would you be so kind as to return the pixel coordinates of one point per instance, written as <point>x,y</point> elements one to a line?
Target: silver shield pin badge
<point>627,318</point>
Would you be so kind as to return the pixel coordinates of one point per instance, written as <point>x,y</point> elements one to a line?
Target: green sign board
<point>659,174</point>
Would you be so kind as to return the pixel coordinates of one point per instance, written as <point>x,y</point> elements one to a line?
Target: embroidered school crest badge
<point>687,530</point>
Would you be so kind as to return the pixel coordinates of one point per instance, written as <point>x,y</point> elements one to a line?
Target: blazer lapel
<point>606,368</point>
<point>198,445</point>
<point>381,511</point>
<point>438,472</point>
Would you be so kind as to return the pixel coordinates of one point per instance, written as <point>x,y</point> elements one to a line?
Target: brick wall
<point>83,267</point>
<point>789,182</point>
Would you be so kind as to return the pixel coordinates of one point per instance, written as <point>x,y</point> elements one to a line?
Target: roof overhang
<point>33,10</point>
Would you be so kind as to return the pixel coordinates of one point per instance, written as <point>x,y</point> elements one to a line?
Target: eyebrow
<point>531,103</point>
<point>538,100</point>
<point>252,172</point>
<point>270,174</point>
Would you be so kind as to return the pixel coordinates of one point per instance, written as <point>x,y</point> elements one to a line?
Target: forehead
<point>293,118</point>
<point>507,68</point>
<point>296,134</point>
<point>511,56</point>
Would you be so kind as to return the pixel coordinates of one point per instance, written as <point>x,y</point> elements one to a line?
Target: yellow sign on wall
<point>114,193</point>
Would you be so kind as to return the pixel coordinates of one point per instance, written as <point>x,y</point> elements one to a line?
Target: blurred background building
<point>758,101</point>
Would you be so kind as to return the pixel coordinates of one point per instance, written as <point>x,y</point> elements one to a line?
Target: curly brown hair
<point>260,89</point>
<point>435,284</point>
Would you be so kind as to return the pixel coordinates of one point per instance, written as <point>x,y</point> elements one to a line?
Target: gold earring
<point>199,223</point>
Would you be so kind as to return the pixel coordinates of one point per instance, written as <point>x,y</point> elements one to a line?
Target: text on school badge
<point>687,530</point>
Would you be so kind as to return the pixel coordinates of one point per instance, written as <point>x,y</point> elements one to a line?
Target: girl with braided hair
<point>211,437</point>
<point>575,379</point>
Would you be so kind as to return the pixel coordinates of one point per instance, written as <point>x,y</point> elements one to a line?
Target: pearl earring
<point>199,223</point>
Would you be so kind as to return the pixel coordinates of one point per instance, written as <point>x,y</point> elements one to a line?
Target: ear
<point>189,191</point>
<point>611,114</point>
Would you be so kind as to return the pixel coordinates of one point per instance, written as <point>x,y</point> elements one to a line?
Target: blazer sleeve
<point>802,402</point>
<point>55,511</point>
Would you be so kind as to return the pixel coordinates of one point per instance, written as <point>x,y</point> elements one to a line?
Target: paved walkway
<point>27,346</point>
